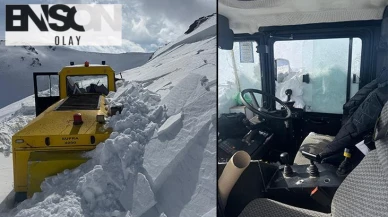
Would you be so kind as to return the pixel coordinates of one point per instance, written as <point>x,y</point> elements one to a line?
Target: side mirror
<point>118,79</point>
<point>225,34</point>
<point>282,69</point>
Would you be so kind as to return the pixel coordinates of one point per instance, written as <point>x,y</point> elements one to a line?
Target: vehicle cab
<point>286,72</point>
<point>73,80</point>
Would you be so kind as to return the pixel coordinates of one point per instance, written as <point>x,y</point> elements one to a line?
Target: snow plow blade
<point>45,164</point>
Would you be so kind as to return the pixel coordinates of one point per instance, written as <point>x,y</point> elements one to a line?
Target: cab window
<point>239,69</point>
<point>322,73</point>
<point>47,85</point>
<point>87,84</point>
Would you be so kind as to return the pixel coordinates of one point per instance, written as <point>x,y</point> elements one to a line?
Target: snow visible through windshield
<point>87,84</point>
<point>323,64</point>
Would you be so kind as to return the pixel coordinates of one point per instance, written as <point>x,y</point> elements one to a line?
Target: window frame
<point>107,79</point>
<point>50,84</point>
<point>367,31</point>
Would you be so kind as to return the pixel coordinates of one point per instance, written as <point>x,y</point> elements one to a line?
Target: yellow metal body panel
<point>54,132</point>
<point>20,172</point>
<point>51,122</point>
<point>45,164</point>
<point>82,70</point>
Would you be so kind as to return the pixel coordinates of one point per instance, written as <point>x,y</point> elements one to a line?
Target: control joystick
<point>284,158</point>
<point>312,169</point>
<point>288,94</point>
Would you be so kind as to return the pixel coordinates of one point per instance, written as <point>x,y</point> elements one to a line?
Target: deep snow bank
<point>180,164</point>
<point>13,118</point>
<point>95,187</point>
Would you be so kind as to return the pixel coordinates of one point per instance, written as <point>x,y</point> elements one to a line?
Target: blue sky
<point>147,24</point>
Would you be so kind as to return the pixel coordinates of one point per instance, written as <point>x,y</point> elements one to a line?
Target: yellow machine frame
<point>51,142</point>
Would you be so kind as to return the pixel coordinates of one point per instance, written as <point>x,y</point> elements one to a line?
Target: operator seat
<point>364,192</point>
<point>360,114</point>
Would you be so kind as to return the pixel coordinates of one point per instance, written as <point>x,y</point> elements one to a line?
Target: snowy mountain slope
<point>17,63</point>
<point>203,31</point>
<point>10,109</point>
<point>160,160</point>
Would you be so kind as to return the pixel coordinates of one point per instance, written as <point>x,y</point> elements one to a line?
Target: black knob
<point>312,169</point>
<point>288,92</point>
<point>287,170</point>
<point>284,158</point>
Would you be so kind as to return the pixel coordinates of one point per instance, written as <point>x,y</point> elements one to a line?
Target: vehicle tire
<point>20,196</point>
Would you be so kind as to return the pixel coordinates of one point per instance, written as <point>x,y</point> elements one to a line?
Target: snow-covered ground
<point>160,159</point>
<point>18,63</point>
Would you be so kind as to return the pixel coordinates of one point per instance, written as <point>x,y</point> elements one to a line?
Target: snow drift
<point>95,187</point>
<point>13,118</point>
<point>160,159</point>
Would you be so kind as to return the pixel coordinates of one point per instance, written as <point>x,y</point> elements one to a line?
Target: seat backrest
<point>364,192</point>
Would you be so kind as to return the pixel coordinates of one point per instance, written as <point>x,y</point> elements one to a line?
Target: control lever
<point>289,103</point>
<point>288,94</point>
<point>247,124</point>
<point>249,136</point>
<point>346,166</point>
<point>312,169</point>
<point>287,172</point>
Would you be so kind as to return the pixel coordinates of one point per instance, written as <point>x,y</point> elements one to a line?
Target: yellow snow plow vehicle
<point>71,111</point>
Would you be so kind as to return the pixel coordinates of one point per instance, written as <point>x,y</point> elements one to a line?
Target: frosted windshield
<point>325,61</point>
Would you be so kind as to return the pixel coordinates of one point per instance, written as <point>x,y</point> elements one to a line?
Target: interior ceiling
<point>246,16</point>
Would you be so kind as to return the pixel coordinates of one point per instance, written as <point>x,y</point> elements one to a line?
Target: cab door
<point>46,90</point>
<point>327,65</point>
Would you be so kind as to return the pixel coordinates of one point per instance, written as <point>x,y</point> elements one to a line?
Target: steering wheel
<point>92,88</point>
<point>261,111</point>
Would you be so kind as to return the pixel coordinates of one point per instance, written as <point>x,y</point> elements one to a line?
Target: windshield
<point>318,71</point>
<point>87,84</point>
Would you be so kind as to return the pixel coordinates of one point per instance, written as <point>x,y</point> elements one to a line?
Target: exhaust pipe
<point>232,172</point>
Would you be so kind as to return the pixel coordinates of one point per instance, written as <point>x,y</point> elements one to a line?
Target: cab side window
<point>238,69</point>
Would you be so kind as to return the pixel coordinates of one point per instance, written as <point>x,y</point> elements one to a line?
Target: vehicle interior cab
<point>302,88</point>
